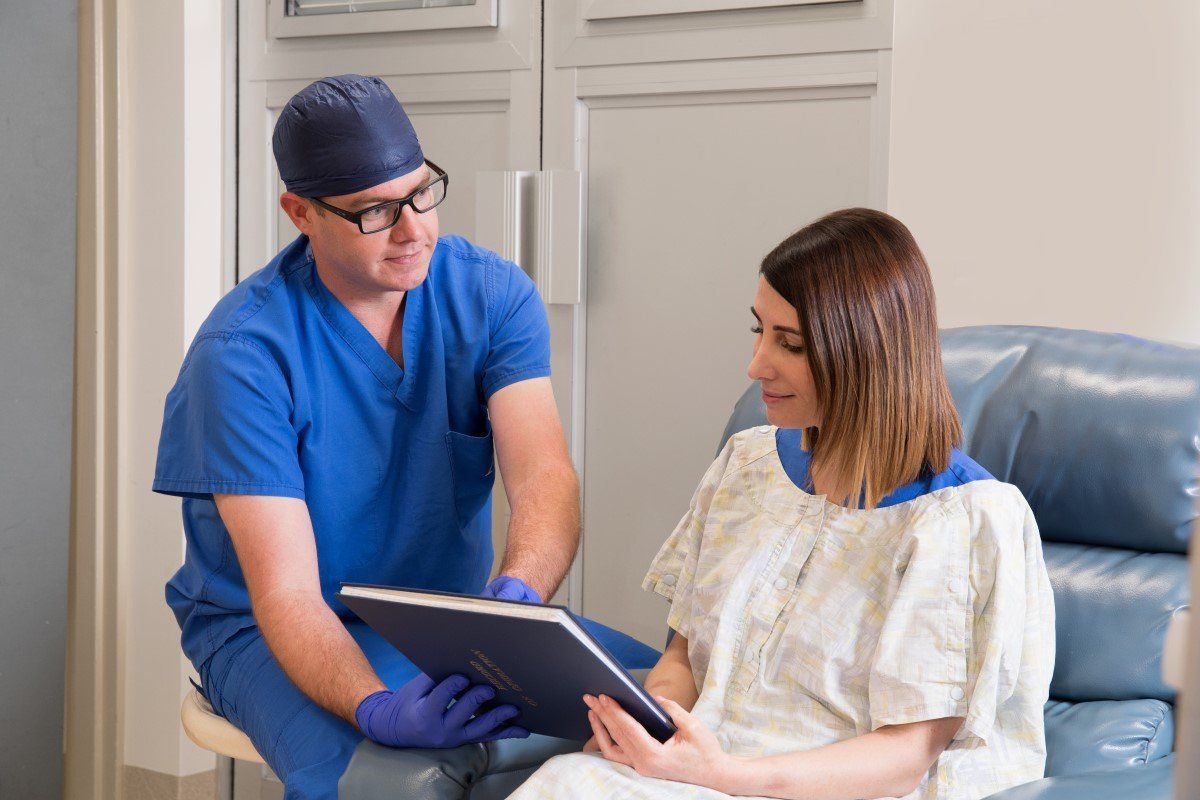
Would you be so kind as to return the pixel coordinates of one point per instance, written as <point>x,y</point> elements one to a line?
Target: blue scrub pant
<point>305,745</point>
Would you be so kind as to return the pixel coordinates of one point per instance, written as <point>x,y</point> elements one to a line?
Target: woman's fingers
<point>682,718</point>
<point>599,733</point>
<point>608,748</point>
<point>626,731</point>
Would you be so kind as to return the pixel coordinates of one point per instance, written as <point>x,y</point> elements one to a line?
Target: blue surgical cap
<point>343,134</point>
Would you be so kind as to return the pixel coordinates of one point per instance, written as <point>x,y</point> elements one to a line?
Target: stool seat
<point>212,732</point>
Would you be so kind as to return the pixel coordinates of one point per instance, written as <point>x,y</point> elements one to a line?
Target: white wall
<point>171,236</point>
<point>1047,157</point>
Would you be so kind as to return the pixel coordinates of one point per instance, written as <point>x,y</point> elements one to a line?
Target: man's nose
<point>408,226</point>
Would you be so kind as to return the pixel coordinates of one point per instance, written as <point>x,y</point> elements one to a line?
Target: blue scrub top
<point>796,461</point>
<point>285,393</point>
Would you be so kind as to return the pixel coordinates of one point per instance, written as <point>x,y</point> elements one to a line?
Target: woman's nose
<point>760,366</point>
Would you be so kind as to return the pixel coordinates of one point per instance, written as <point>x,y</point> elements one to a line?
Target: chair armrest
<point>510,755</point>
<point>1151,782</point>
<point>376,771</point>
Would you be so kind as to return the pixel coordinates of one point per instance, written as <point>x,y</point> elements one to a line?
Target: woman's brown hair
<point>862,290</point>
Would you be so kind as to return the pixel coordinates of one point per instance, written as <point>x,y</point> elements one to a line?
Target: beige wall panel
<point>683,203</point>
<point>1045,156</point>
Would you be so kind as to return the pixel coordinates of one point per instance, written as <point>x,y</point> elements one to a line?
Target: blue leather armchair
<point>1101,432</point>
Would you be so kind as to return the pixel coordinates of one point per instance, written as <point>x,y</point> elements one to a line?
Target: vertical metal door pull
<point>535,219</point>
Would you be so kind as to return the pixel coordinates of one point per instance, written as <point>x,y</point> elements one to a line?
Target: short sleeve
<point>520,335</point>
<point>673,571</point>
<point>954,633</point>
<point>227,425</point>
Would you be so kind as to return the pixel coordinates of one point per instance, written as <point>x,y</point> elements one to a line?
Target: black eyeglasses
<point>383,216</point>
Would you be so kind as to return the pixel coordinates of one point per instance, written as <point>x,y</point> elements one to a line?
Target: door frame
<point>152,222</point>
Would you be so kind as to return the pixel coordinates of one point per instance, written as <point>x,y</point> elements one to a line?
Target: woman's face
<point>780,362</point>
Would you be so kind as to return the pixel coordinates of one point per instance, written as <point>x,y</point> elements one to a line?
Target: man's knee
<point>376,771</point>
<point>305,745</point>
<point>493,769</point>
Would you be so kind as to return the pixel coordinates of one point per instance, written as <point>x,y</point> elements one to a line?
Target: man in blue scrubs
<point>333,421</point>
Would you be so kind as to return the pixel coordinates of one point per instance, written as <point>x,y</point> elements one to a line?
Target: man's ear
<point>299,210</point>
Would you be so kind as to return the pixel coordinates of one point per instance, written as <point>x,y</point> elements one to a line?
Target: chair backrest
<point>1101,432</point>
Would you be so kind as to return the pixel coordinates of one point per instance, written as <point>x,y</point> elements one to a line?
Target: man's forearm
<point>316,651</point>
<point>543,532</point>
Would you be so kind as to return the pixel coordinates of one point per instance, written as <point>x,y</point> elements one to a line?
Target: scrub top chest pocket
<point>472,468</point>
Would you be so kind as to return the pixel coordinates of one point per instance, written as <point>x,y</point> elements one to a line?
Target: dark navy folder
<point>537,657</point>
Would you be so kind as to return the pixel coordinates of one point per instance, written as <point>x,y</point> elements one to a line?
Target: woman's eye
<point>756,330</point>
<point>793,348</point>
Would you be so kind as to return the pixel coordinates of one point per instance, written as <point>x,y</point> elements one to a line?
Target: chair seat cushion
<point>1106,734</point>
<point>212,732</point>
<point>1152,782</point>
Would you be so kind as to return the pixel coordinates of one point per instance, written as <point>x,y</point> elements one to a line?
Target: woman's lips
<point>772,399</point>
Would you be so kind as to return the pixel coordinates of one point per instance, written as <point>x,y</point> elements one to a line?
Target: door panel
<point>679,222</point>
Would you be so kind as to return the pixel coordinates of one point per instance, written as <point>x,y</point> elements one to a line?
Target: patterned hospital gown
<point>809,623</point>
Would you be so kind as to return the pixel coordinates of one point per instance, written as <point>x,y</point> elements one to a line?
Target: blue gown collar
<point>796,462</point>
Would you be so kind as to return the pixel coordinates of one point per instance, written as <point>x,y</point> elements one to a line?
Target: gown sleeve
<point>672,572</point>
<point>971,603</point>
<point>227,427</point>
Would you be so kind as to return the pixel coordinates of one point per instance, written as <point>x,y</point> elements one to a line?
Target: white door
<point>706,131</point>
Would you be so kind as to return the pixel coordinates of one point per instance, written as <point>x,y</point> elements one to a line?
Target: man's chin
<point>405,279</point>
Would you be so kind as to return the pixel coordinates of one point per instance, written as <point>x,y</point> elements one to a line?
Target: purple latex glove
<point>506,587</point>
<point>416,715</point>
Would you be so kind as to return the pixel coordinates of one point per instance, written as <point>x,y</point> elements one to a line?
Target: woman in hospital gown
<point>861,610</point>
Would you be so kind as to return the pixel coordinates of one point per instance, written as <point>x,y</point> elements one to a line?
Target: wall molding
<point>94,732</point>
<point>146,784</point>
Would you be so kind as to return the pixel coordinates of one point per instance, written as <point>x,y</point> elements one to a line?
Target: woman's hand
<point>692,755</point>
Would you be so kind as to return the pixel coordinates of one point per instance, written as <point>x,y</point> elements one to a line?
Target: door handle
<point>535,219</point>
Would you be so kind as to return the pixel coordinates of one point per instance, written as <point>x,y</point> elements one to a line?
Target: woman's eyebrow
<point>780,328</point>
